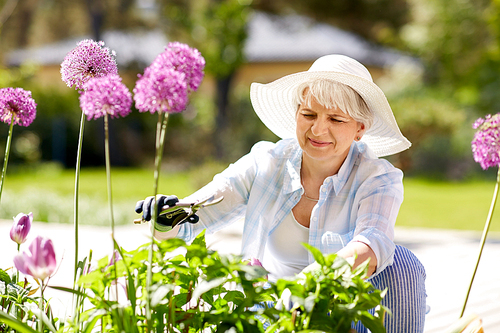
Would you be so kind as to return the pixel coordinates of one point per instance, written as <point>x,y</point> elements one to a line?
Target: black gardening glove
<point>164,222</point>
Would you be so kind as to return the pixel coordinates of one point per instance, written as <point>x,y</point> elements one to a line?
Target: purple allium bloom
<point>105,95</point>
<point>486,142</point>
<point>40,261</point>
<point>17,102</point>
<point>89,59</point>
<point>162,90</point>
<point>184,59</point>
<point>21,227</point>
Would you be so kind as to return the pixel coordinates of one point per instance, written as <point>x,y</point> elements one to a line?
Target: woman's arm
<point>363,252</point>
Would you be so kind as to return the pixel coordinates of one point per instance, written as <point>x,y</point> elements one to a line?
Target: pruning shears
<point>189,208</point>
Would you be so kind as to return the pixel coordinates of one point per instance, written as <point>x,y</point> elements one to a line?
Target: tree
<point>378,21</point>
<point>218,29</point>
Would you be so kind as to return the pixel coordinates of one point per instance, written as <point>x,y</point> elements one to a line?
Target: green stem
<point>483,239</point>
<point>110,197</point>
<point>7,151</point>
<point>17,271</point>
<point>40,320</point>
<point>108,174</point>
<point>77,190</point>
<point>161,127</point>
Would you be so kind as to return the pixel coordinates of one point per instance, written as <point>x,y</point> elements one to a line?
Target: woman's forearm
<point>363,251</point>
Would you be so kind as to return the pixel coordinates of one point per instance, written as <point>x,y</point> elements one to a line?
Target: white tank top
<point>284,254</point>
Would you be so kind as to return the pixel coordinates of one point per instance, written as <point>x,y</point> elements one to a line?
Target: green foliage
<point>19,306</point>
<point>195,289</point>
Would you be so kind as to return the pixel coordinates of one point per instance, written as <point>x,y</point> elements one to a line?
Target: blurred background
<point>438,61</point>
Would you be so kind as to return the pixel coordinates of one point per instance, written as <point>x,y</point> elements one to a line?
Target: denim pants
<point>406,297</point>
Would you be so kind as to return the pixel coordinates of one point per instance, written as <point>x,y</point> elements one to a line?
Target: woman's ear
<point>361,131</point>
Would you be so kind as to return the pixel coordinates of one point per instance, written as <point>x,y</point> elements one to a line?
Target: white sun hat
<point>275,105</point>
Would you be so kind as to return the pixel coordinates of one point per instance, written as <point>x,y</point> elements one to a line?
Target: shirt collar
<point>340,179</point>
<point>291,181</point>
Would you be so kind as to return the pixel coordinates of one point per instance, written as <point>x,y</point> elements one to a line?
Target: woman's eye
<point>335,120</point>
<point>308,115</point>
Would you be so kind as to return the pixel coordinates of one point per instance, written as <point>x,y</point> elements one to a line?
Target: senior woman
<point>322,184</point>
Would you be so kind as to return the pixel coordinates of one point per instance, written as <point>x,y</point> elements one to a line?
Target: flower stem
<point>161,128</point>
<point>17,271</point>
<point>110,197</point>
<point>108,174</point>
<point>483,239</point>
<point>40,320</point>
<point>77,190</point>
<point>7,151</point>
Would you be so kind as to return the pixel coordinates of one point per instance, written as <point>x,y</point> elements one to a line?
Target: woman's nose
<point>319,127</point>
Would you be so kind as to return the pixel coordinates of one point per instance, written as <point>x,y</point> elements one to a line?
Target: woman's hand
<point>164,222</point>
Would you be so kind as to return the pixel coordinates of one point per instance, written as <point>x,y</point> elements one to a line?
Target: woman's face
<point>326,134</point>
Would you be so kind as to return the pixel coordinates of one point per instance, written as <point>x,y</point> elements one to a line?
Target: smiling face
<point>325,134</point>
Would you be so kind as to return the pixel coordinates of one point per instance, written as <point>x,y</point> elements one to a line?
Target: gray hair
<point>333,94</point>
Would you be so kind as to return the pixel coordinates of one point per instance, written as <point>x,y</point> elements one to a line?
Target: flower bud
<point>21,227</point>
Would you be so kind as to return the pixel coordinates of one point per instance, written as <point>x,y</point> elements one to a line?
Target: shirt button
<point>315,219</point>
<point>323,190</point>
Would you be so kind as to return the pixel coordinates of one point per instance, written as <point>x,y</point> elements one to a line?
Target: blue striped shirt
<point>359,203</point>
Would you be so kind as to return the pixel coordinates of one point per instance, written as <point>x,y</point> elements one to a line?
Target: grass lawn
<point>448,205</point>
<point>48,193</point>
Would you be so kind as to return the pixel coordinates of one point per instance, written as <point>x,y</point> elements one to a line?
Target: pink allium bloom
<point>161,90</point>
<point>183,59</point>
<point>40,261</point>
<point>17,102</point>
<point>21,227</point>
<point>105,95</point>
<point>486,142</point>
<point>89,59</point>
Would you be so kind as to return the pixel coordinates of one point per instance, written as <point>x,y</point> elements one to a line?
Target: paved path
<point>448,256</point>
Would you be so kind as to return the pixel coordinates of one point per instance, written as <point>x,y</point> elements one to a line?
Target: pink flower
<point>183,59</point>
<point>161,90</point>
<point>105,95</point>
<point>40,261</point>
<point>254,262</point>
<point>486,142</point>
<point>87,60</point>
<point>21,227</point>
<point>17,102</point>
<point>166,83</point>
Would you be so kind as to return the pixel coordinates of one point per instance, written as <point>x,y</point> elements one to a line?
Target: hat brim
<point>274,104</point>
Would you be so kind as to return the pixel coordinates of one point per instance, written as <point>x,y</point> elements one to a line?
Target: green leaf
<point>15,323</point>
<point>200,239</point>
<point>5,277</point>
<point>159,294</point>
<point>234,296</point>
<point>318,256</point>
<point>205,286</point>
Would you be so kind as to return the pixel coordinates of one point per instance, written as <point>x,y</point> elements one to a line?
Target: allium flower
<point>21,227</point>
<point>184,59</point>
<point>162,90</point>
<point>486,142</point>
<point>17,102</point>
<point>89,59</point>
<point>40,261</point>
<point>105,95</point>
